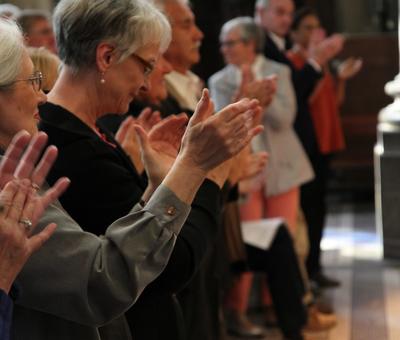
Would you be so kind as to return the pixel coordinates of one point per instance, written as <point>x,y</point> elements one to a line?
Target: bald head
<point>275,16</point>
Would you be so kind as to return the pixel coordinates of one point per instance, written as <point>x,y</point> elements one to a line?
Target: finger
<point>42,169</point>
<point>36,241</point>
<point>242,142</point>
<point>130,134</point>
<point>31,156</point>
<point>29,208</point>
<point>121,133</point>
<point>202,110</point>
<point>145,114</point>
<point>7,196</point>
<point>233,110</point>
<point>142,138</point>
<point>55,191</point>
<point>12,156</point>
<point>154,118</point>
<point>49,197</point>
<point>18,202</point>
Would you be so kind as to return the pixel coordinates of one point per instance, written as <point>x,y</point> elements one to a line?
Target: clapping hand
<point>263,89</point>
<point>210,139</point>
<point>349,68</point>
<point>21,161</point>
<point>126,134</point>
<point>322,49</point>
<point>160,146</point>
<point>21,175</point>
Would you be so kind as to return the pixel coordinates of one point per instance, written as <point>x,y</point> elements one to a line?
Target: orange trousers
<point>284,205</point>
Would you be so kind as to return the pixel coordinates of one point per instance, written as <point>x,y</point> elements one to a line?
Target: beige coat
<point>288,165</point>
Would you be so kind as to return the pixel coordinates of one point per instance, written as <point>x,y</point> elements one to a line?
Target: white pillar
<point>387,170</point>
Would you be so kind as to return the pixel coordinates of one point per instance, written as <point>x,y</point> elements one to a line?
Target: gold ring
<point>35,186</point>
<point>26,222</point>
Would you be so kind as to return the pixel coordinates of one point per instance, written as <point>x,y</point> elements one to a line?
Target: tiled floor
<point>367,303</point>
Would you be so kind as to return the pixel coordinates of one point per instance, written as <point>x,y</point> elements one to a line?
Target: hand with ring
<point>18,202</point>
<point>25,159</point>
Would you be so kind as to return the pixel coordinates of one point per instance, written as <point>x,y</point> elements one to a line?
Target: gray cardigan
<point>288,165</point>
<point>77,281</point>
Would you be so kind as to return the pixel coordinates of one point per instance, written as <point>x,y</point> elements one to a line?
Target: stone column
<point>387,171</point>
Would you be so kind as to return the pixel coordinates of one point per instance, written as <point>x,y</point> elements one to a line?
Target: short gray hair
<point>80,26</point>
<point>248,30</point>
<point>262,3</point>
<point>9,11</point>
<point>11,52</point>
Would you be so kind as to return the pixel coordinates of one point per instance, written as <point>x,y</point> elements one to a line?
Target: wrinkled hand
<point>247,164</point>
<point>160,147</point>
<point>127,138</point>
<point>349,68</point>
<point>21,175</point>
<point>323,51</point>
<point>148,119</point>
<point>263,90</point>
<point>210,139</point>
<point>21,161</point>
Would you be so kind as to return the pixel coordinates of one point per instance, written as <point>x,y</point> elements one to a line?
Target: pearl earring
<point>102,80</point>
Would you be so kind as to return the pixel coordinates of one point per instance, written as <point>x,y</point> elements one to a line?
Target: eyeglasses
<point>230,43</point>
<point>36,80</point>
<point>147,66</point>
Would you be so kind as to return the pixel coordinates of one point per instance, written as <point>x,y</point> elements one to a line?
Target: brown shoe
<point>238,324</point>
<point>319,322</point>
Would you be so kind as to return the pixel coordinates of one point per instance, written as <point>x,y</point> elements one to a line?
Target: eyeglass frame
<point>148,67</point>
<point>231,43</point>
<point>36,80</point>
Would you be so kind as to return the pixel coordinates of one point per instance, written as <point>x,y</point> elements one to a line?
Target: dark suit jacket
<point>6,307</point>
<point>105,186</point>
<point>304,81</point>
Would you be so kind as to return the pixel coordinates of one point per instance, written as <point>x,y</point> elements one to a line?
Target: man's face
<point>41,35</point>
<point>183,51</point>
<point>277,17</point>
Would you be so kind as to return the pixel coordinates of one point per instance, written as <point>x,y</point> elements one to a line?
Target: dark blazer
<point>304,81</point>
<point>105,186</point>
<point>6,307</point>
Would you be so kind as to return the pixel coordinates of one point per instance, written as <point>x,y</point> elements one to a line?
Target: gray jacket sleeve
<point>92,280</point>
<point>281,113</point>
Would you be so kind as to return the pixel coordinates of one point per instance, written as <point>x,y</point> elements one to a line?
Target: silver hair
<point>80,26</point>
<point>247,29</point>
<point>11,52</point>
<point>9,11</point>
<point>262,3</point>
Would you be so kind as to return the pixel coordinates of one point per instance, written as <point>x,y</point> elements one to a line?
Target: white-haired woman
<point>79,281</point>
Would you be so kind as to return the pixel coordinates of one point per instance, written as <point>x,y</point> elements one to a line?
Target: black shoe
<point>324,281</point>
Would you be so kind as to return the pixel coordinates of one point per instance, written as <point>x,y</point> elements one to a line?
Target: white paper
<point>261,233</point>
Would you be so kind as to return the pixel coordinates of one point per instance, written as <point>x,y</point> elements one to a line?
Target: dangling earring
<point>102,80</point>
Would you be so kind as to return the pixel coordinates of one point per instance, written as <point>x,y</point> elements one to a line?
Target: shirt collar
<point>185,88</point>
<point>279,41</point>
